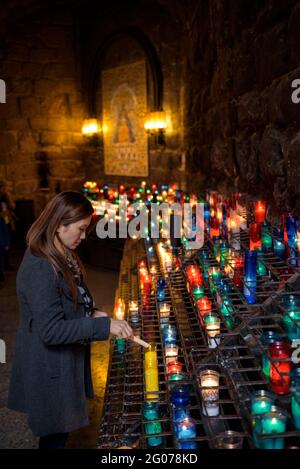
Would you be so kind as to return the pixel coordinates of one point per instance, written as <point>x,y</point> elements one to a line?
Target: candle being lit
<point>151,372</point>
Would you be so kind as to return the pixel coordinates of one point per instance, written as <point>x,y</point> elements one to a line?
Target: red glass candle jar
<point>260,211</point>
<point>238,272</point>
<point>173,366</point>
<point>255,236</point>
<point>280,370</point>
<point>214,227</point>
<point>195,277</point>
<point>204,306</point>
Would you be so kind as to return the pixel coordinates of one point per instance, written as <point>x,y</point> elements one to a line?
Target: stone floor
<point>14,431</point>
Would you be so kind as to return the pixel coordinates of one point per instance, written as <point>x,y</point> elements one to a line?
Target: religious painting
<point>124,96</point>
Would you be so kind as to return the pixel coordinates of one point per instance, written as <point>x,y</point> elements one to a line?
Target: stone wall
<point>242,127</point>
<point>40,125</point>
<point>45,53</point>
<point>227,67</point>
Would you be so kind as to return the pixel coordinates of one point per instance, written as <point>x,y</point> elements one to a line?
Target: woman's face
<point>71,235</point>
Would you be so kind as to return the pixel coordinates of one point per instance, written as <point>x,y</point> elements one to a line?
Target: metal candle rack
<point>237,358</point>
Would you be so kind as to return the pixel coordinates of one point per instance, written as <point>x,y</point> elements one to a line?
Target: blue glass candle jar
<point>272,422</point>
<point>180,413</point>
<point>151,411</point>
<point>291,228</point>
<point>291,316</point>
<point>279,248</point>
<point>295,400</point>
<point>206,212</point>
<point>250,261</point>
<point>186,429</point>
<point>268,337</point>
<point>261,403</point>
<point>160,292</point>
<point>169,334</point>
<point>180,396</point>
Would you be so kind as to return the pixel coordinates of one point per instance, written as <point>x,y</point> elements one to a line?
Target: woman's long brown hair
<point>65,208</point>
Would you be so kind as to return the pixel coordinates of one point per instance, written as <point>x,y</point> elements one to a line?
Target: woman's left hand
<point>98,314</point>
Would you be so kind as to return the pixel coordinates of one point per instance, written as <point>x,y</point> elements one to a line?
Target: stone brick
<point>31,70</point>
<point>55,36</point>
<point>57,71</point>
<point>45,55</point>
<point>44,87</point>
<point>10,110</point>
<point>55,138</point>
<point>294,36</point>
<point>271,54</point>
<point>30,106</point>
<point>252,110</point>
<point>55,106</point>
<point>25,188</point>
<point>66,169</point>
<point>282,110</point>
<point>58,124</point>
<point>38,123</point>
<point>271,157</point>
<point>19,86</point>
<point>8,143</point>
<point>26,170</point>
<point>293,165</point>
<point>27,141</point>
<point>18,52</point>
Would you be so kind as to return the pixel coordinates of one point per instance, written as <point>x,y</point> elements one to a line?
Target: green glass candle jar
<point>266,237</point>
<point>295,400</point>
<point>228,313</point>
<point>261,403</point>
<point>120,344</point>
<point>198,292</point>
<point>151,412</point>
<point>272,422</point>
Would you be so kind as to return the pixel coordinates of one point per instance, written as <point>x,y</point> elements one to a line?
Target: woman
<point>51,374</point>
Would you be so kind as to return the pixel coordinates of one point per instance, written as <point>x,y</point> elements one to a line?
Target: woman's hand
<point>120,329</point>
<point>98,314</point>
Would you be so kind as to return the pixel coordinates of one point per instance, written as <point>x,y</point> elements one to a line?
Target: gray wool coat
<point>51,374</point>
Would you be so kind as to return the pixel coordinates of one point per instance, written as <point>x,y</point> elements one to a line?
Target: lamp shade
<point>156,120</point>
<point>90,127</point>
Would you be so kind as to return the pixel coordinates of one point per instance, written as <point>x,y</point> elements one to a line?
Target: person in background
<point>51,371</point>
<point>4,246</point>
<point>7,207</point>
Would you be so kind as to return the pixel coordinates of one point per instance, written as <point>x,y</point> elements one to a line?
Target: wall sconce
<point>156,124</point>
<point>91,129</point>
